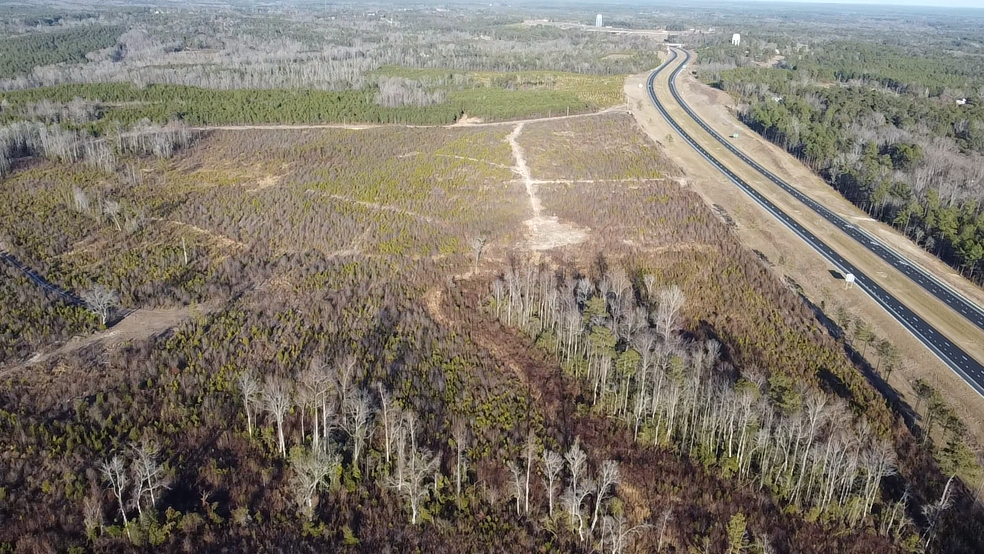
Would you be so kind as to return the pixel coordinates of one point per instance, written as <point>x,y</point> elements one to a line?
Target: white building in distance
<point>735,39</point>
<point>598,21</point>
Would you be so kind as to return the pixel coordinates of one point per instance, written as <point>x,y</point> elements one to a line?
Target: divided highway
<point>933,285</point>
<point>958,360</point>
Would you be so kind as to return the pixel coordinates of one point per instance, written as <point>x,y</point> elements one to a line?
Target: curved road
<point>958,360</point>
<point>934,286</point>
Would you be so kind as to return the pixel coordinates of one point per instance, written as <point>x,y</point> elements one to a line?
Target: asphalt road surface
<point>958,360</point>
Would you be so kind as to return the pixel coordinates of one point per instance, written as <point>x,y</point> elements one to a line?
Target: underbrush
<point>371,379</point>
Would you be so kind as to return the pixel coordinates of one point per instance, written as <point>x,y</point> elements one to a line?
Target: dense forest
<point>348,65</point>
<point>897,129</point>
<point>336,50</point>
<point>20,55</point>
<point>124,104</point>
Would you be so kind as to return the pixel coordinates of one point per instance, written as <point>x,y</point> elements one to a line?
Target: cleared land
<point>315,241</point>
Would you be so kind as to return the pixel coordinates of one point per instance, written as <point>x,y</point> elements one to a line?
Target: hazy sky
<point>931,3</point>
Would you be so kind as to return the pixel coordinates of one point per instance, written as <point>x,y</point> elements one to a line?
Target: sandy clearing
<point>545,232</point>
<point>138,325</point>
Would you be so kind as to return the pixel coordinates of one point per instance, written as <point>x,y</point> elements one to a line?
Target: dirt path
<point>380,207</point>
<point>522,169</point>
<point>476,160</point>
<point>219,238</point>
<point>467,122</point>
<point>138,325</point>
<point>585,181</point>
<point>9,259</point>
<point>434,301</point>
<point>545,232</point>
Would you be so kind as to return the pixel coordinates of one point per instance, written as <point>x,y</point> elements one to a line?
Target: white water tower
<point>735,39</point>
<point>598,20</point>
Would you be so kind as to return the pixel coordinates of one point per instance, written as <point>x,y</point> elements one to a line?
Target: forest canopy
<point>898,130</point>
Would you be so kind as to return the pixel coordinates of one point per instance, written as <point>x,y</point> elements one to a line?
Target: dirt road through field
<point>546,232</point>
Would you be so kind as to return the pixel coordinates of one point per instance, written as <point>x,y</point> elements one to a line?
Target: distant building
<point>598,21</point>
<point>735,39</point>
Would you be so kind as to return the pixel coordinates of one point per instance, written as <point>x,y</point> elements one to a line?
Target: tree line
<point>21,54</point>
<point>911,161</point>
<point>627,348</point>
<point>238,49</point>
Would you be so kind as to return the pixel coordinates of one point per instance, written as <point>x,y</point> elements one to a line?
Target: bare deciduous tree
<point>664,520</point>
<point>310,470</point>
<point>608,477</point>
<point>933,510</point>
<point>552,464</point>
<point>277,400</point>
<point>395,92</point>
<point>477,245</point>
<point>92,513</point>
<point>671,300</point>
<point>114,473</point>
<point>414,466</point>
<point>617,533</point>
<point>358,420</point>
<point>530,455</point>
<point>112,209</point>
<point>101,301</point>
<point>81,200</point>
<point>391,421</point>
<point>517,479</point>
<point>649,280</point>
<point>148,473</point>
<point>249,392</point>
<point>580,486</point>
<point>459,434</point>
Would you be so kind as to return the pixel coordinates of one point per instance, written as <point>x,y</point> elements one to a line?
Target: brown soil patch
<point>140,324</point>
<point>434,301</point>
<point>545,232</point>
<point>266,182</point>
<point>465,120</point>
<point>220,239</point>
